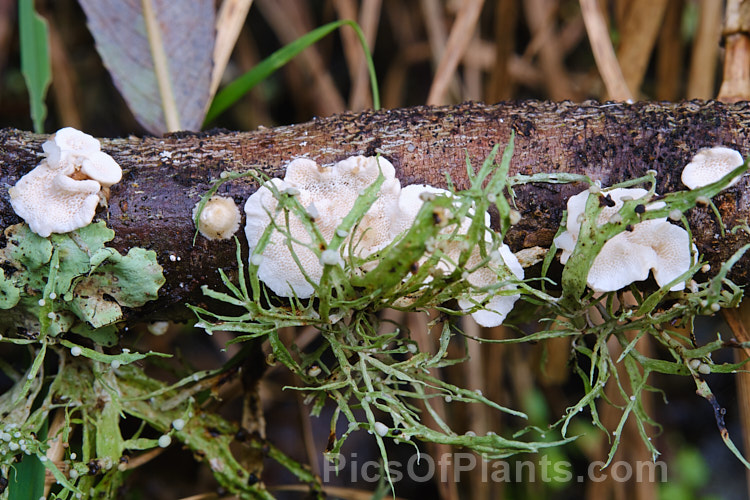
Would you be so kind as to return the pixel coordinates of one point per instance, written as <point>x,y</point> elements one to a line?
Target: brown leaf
<point>159,54</point>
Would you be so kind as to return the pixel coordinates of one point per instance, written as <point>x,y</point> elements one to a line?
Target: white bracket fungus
<point>61,194</point>
<point>332,192</point>
<point>329,195</point>
<point>710,165</point>
<point>653,245</point>
<point>498,306</point>
<point>219,219</point>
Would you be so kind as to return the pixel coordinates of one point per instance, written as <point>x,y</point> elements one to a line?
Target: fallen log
<point>165,177</point>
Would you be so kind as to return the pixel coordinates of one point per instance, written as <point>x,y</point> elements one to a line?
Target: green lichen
<point>10,294</point>
<point>364,365</point>
<point>73,281</point>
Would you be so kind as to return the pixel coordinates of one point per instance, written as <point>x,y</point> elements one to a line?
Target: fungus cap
<point>576,207</point>
<point>51,202</point>
<point>652,245</point>
<point>102,168</point>
<point>62,192</point>
<point>219,219</point>
<point>332,191</point>
<point>709,165</point>
<point>68,142</point>
<point>498,306</point>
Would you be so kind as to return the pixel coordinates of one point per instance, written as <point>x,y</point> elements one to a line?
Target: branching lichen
<point>378,380</point>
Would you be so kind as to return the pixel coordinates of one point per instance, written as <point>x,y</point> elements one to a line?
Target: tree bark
<point>164,177</point>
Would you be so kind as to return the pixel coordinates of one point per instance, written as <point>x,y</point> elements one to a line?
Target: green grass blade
<point>26,479</point>
<point>35,60</point>
<point>239,87</point>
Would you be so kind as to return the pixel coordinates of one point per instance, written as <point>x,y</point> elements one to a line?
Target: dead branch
<point>164,177</point>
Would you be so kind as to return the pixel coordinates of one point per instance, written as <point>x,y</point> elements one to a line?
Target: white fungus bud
<point>616,218</point>
<point>702,200</point>
<point>694,363</point>
<point>165,440</point>
<point>715,307</point>
<point>178,424</point>
<point>219,219</point>
<point>704,369</point>
<point>706,268</point>
<point>75,351</point>
<point>675,215</point>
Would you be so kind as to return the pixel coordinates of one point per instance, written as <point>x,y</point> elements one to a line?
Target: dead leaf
<point>159,53</point>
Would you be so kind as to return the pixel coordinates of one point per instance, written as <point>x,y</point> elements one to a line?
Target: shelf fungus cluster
<point>651,246</point>
<point>61,194</point>
<point>328,195</point>
<point>709,165</point>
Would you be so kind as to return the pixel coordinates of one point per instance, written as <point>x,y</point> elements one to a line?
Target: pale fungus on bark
<point>61,194</point>
<point>497,306</point>
<point>652,245</point>
<point>709,165</point>
<point>219,219</point>
<point>328,194</point>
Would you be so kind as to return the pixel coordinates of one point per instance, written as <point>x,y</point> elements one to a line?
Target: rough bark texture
<point>164,177</point>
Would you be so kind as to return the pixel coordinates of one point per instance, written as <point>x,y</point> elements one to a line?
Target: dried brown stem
<point>604,53</point>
